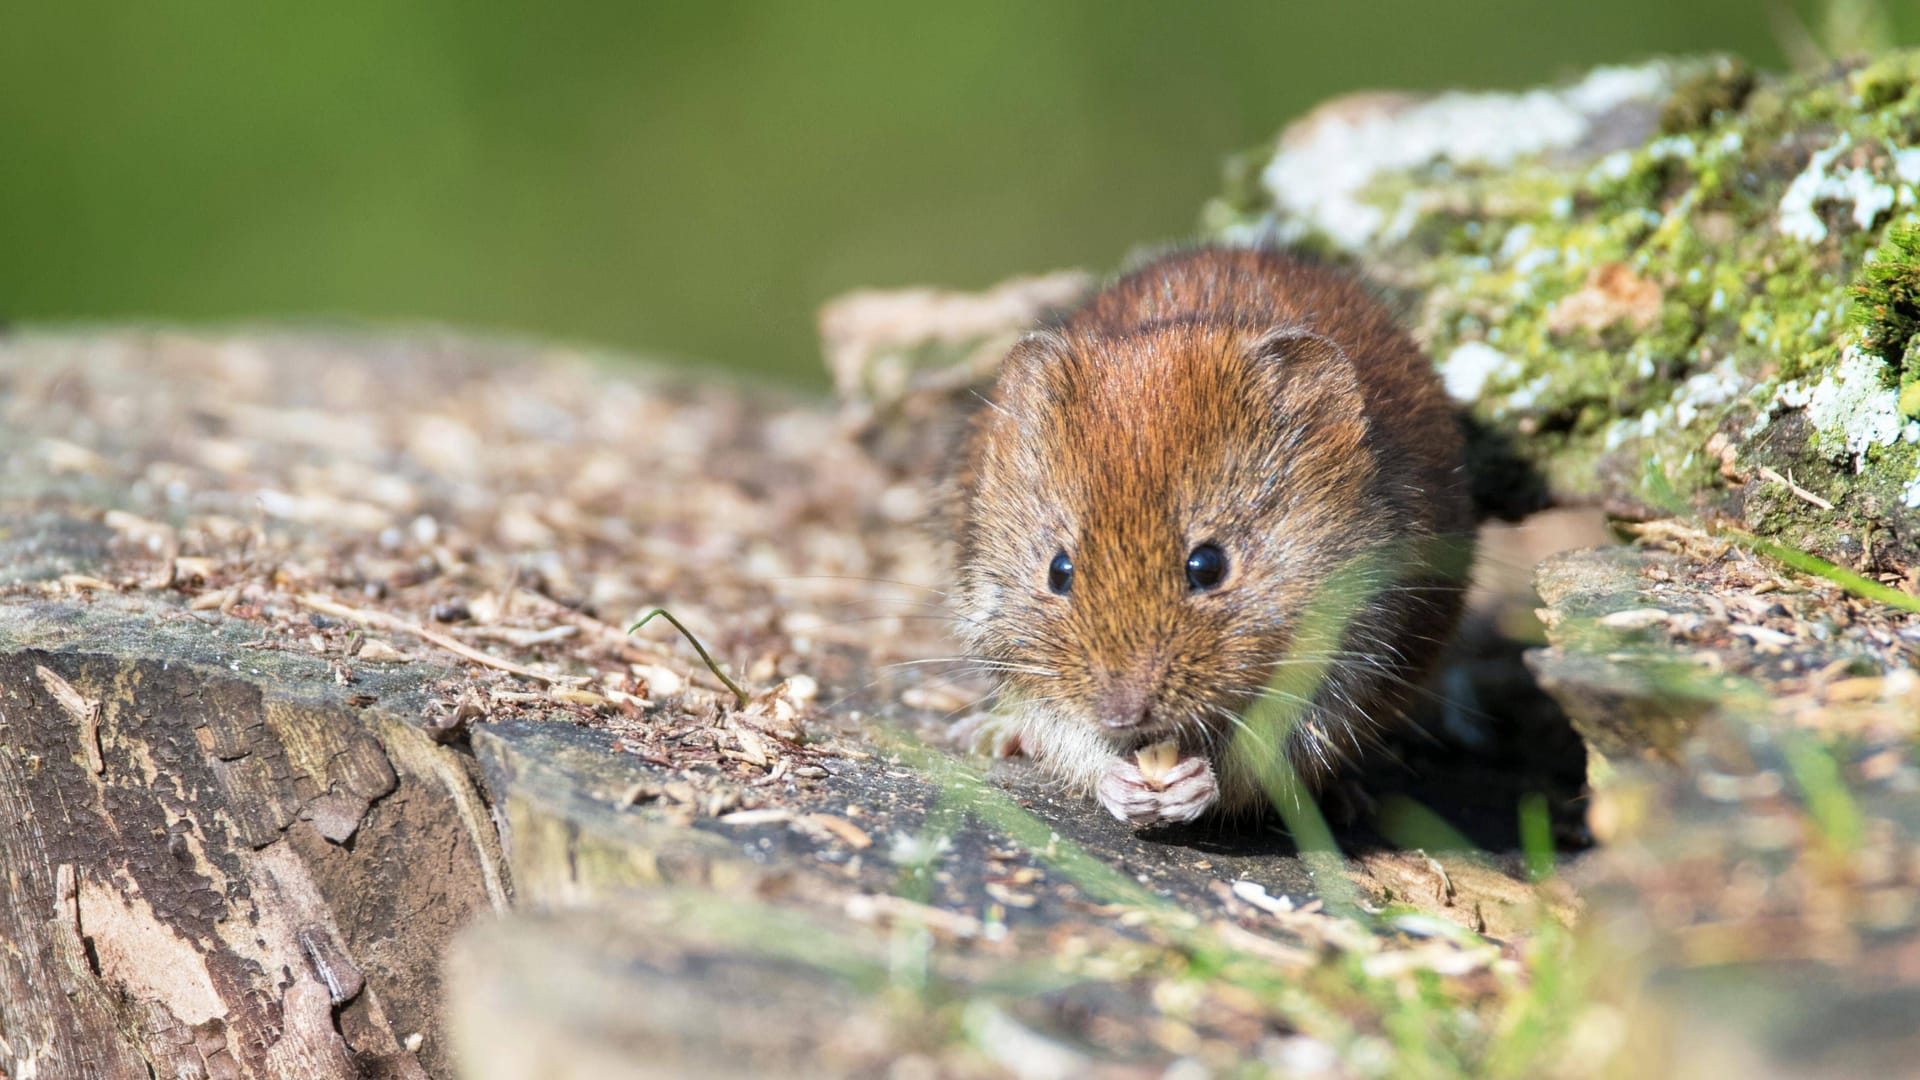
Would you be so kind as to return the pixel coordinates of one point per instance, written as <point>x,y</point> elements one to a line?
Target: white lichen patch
<point>1319,176</point>
<point>1468,368</point>
<point>1517,242</point>
<point>1906,165</point>
<point>1702,393</point>
<point>1672,147</point>
<point>1529,395</point>
<point>1618,432</point>
<point>1535,259</point>
<point>1614,168</point>
<point>1800,204</point>
<point>1852,408</point>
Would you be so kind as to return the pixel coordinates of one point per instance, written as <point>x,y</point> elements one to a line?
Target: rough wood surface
<point>211,858</point>
<point>1758,802</point>
<point>311,653</point>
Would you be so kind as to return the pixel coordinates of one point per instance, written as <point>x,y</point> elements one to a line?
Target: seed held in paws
<point>1156,761</point>
<point>1185,791</point>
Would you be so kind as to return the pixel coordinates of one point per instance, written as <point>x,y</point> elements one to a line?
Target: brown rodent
<point>1227,478</point>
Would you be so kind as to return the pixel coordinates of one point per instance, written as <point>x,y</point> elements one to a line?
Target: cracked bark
<point>246,877</point>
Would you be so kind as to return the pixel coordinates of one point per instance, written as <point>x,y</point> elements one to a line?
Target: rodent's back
<point>1256,290</point>
<point>1235,399</point>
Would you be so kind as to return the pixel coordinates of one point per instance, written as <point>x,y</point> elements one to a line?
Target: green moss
<point>1708,95</point>
<point>1774,217</point>
<point>1240,190</point>
<point>1886,298</point>
<point>1887,80</point>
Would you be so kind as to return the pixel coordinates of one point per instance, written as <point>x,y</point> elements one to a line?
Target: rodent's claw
<point>1185,792</point>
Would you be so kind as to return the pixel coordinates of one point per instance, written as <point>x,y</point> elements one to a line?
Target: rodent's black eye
<point>1060,574</point>
<point>1206,566</point>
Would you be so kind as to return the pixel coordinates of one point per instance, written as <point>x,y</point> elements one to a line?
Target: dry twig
<point>1788,483</point>
<point>383,621</point>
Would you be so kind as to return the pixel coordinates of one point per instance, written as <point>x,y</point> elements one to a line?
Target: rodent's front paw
<point>994,734</point>
<point>1182,793</point>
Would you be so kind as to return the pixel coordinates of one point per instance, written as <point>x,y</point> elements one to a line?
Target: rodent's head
<point>1148,516</point>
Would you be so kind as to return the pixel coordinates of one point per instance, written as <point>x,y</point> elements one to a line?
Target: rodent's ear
<point>1295,347</point>
<point>1309,367</point>
<point>1313,376</point>
<point>1036,349</point>
<point>1031,374</point>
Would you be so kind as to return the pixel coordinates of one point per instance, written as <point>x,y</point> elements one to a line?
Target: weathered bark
<point>263,557</point>
<point>229,864</point>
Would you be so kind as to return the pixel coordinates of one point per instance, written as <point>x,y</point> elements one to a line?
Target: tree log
<point>311,654</point>
<point>230,864</point>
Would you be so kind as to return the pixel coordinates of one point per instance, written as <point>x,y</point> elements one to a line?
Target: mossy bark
<point>1686,267</point>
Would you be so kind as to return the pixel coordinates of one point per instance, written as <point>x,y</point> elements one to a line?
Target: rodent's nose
<point>1123,704</point>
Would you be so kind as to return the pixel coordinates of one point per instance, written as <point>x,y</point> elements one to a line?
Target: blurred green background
<point>686,180</point>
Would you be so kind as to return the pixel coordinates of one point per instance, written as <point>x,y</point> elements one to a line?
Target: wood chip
<point>217,598</point>
<point>1273,952</point>
<point>1761,635</point>
<point>1856,689</point>
<point>568,695</point>
<point>936,697</point>
<point>85,712</point>
<point>336,817</point>
<point>524,638</point>
<point>662,682</point>
<point>379,652</point>
<point>767,816</point>
<point>331,963</point>
<point>1010,898</point>
<point>878,907</point>
<point>133,525</point>
<point>1254,893</point>
<point>846,831</point>
<point>753,749</point>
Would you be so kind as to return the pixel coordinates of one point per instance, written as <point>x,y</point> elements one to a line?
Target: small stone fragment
<point>1635,619</point>
<point>379,652</point>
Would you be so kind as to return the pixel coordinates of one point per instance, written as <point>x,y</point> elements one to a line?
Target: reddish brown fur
<point>1239,397</point>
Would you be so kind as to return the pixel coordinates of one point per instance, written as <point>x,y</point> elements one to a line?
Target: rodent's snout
<point>1126,701</point>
